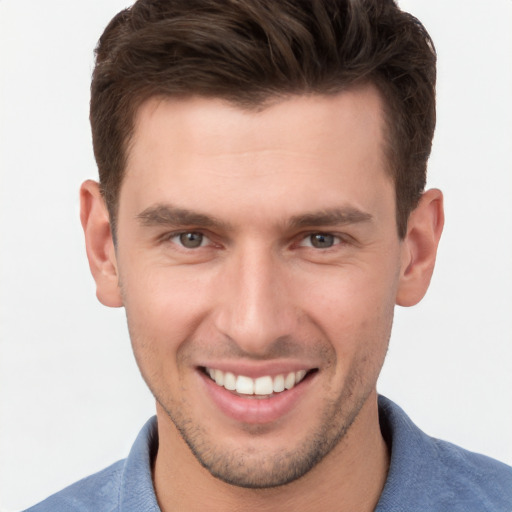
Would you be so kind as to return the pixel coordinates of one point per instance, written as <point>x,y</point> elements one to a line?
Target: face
<point>259,264</point>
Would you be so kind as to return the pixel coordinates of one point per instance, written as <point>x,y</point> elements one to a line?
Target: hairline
<point>259,105</point>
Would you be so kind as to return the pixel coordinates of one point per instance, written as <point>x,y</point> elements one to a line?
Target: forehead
<point>305,120</point>
<point>184,149</point>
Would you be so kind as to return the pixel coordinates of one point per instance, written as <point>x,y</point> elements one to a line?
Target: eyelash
<point>303,241</point>
<point>336,240</point>
<point>177,235</point>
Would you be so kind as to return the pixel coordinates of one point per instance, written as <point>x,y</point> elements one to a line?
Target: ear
<point>419,248</point>
<point>99,244</point>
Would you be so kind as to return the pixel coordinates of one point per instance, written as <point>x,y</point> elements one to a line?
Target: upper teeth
<point>260,386</point>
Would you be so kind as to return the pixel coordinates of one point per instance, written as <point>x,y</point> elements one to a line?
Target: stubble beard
<point>252,468</point>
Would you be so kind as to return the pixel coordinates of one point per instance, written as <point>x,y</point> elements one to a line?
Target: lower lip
<point>255,410</point>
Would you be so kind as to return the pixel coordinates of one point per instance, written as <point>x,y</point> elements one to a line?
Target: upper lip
<point>255,370</point>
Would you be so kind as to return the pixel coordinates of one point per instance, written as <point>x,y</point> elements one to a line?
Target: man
<point>261,210</point>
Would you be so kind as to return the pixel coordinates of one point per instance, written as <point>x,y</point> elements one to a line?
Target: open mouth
<point>261,387</point>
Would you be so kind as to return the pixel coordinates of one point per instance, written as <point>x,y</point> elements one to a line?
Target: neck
<point>350,477</point>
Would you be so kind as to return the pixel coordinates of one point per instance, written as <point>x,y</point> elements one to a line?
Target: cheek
<point>163,308</point>
<point>354,308</point>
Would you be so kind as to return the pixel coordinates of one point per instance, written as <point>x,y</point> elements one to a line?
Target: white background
<point>71,398</point>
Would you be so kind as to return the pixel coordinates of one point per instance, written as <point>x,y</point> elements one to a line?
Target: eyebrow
<point>330,217</point>
<point>169,215</point>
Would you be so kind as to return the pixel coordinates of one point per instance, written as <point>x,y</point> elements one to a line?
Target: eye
<point>320,240</point>
<point>190,239</point>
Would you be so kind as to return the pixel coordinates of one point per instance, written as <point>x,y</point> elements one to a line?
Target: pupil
<point>191,240</point>
<point>321,241</point>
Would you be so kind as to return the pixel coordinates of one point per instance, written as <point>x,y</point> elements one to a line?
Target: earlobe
<point>99,244</point>
<point>419,248</point>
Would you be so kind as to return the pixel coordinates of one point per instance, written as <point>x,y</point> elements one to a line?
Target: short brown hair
<point>247,51</point>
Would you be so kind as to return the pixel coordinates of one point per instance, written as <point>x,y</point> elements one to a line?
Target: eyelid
<point>338,239</point>
<point>170,236</point>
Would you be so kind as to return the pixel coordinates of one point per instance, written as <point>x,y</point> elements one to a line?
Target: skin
<point>257,296</point>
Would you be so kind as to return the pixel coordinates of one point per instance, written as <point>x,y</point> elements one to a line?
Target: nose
<point>254,308</point>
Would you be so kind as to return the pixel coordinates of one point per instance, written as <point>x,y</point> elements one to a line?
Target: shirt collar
<point>406,443</point>
<point>411,476</point>
<point>137,492</point>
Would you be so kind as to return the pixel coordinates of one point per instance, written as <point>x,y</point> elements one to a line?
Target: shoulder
<point>126,485</point>
<point>98,493</point>
<point>477,482</point>
<point>436,475</point>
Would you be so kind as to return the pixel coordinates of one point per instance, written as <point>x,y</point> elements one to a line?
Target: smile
<point>261,398</point>
<point>264,386</point>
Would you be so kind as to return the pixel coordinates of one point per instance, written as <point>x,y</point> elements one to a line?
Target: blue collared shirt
<point>425,475</point>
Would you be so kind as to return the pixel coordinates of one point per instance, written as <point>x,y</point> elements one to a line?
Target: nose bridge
<point>253,308</point>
